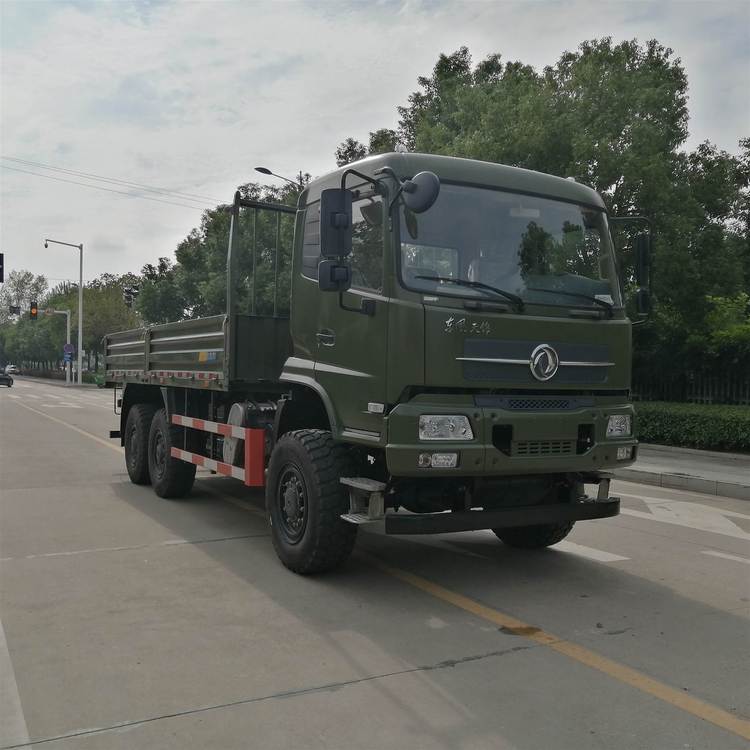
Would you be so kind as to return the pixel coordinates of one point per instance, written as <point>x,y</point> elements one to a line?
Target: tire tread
<point>335,538</point>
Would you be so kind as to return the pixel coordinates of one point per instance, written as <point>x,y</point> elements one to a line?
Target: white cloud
<point>191,96</point>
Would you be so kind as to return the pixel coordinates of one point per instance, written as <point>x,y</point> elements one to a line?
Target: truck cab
<point>484,337</point>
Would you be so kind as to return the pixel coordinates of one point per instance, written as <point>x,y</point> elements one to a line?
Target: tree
<point>350,150</point>
<point>160,298</point>
<point>383,141</point>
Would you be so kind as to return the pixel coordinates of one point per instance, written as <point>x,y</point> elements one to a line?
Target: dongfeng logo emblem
<point>544,362</point>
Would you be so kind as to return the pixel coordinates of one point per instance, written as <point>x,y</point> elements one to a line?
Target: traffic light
<point>33,310</point>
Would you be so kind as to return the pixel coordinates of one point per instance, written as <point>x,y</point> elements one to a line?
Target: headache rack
<point>221,351</point>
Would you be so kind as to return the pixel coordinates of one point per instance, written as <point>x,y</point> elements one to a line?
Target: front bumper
<point>508,442</point>
<point>474,520</point>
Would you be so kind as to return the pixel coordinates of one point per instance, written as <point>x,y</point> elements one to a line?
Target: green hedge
<point>706,426</point>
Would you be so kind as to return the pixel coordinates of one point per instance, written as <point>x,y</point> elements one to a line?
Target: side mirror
<point>642,252</point>
<point>334,276</point>
<point>335,223</point>
<point>421,191</point>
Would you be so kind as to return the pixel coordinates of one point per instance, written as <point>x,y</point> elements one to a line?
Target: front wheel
<point>534,537</point>
<point>170,477</point>
<point>305,500</point>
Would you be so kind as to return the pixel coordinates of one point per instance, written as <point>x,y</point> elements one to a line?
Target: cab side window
<point>367,244</point>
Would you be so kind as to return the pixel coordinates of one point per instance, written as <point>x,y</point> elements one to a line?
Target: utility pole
<point>80,302</point>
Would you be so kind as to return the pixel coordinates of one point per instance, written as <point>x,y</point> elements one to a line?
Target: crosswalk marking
<point>588,552</point>
<point>725,556</point>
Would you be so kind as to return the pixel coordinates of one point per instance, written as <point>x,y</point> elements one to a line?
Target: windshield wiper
<point>514,298</point>
<point>608,306</point>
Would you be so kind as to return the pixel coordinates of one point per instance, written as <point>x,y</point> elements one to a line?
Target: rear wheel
<point>305,500</point>
<point>137,428</point>
<point>534,537</point>
<point>170,477</point>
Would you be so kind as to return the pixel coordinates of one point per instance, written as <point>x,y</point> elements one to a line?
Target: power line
<point>112,180</point>
<point>100,187</point>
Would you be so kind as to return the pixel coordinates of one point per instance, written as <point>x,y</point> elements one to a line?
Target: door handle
<point>326,337</point>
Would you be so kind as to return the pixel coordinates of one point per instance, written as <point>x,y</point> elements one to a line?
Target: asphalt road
<point>133,622</point>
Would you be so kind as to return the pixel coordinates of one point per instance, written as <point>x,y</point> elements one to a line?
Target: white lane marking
<point>655,500</point>
<point>32,395</point>
<point>12,720</point>
<point>725,556</point>
<point>691,515</point>
<point>589,552</point>
<point>62,405</point>
<point>13,395</point>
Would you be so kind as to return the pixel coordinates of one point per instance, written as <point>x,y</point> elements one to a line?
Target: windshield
<point>544,251</point>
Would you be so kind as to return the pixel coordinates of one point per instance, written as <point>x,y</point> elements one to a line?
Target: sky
<point>190,96</point>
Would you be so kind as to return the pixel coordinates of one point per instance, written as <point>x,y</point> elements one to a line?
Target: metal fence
<point>694,387</point>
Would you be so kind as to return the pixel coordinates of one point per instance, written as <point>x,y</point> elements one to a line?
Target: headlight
<point>442,427</point>
<point>619,425</point>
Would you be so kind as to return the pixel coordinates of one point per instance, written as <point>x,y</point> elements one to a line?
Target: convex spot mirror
<point>335,223</point>
<point>421,191</point>
<point>334,276</point>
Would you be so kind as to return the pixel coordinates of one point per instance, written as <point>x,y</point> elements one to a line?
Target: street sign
<point>67,357</point>
<point>68,349</point>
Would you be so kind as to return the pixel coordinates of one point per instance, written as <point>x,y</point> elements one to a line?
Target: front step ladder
<point>366,502</point>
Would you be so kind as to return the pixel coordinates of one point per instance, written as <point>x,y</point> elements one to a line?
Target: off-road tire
<point>304,470</point>
<point>170,477</point>
<point>135,440</point>
<point>534,537</point>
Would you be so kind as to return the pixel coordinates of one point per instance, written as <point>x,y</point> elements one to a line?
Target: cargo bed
<point>220,352</point>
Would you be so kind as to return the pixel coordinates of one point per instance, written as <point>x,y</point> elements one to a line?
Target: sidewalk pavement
<point>726,474</point>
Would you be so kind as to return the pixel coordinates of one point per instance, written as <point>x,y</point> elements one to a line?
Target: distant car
<point>11,370</point>
<point>6,379</point>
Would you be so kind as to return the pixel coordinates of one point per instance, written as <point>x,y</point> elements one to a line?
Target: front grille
<point>538,403</point>
<point>530,448</point>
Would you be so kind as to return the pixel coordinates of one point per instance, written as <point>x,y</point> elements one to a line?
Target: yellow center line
<point>706,711</point>
<point>627,675</point>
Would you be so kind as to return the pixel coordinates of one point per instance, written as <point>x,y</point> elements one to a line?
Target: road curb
<point>685,482</point>
<point>54,382</point>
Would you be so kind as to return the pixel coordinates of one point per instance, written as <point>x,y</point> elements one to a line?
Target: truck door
<point>351,346</point>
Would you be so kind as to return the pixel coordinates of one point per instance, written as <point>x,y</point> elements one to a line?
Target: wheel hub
<point>292,504</point>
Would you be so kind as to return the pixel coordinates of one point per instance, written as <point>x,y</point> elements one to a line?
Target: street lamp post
<point>66,313</point>
<point>80,302</point>
<point>299,184</point>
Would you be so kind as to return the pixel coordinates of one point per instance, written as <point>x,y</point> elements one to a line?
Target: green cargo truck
<point>437,343</point>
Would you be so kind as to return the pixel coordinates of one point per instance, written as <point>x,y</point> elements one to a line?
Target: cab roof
<point>466,171</point>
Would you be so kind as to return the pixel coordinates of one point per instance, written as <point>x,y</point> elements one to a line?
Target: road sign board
<point>67,357</point>
<point>68,348</point>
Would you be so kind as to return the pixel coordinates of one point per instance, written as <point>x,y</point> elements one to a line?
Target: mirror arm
<point>389,171</point>
<point>365,177</point>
